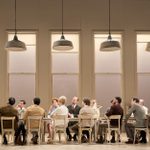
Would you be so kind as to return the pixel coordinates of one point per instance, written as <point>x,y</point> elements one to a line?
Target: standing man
<point>139,116</point>
<point>74,109</point>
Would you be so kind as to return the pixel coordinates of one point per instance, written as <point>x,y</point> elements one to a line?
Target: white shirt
<point>21,112</point>
<point>61,110</point>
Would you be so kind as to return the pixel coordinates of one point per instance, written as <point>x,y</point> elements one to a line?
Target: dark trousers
<point>20,131</point>
<point>74,127</point>
<point>129,128</point>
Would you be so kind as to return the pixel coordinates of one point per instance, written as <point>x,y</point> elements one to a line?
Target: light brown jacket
<point>33,110</point>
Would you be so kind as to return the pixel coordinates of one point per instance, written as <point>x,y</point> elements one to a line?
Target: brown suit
<point>33,110</point>
<point>9,111</point>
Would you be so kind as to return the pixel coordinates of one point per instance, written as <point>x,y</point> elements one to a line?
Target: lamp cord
<point>15,19</point>
<point>109,37</point>
<point>62,19</point>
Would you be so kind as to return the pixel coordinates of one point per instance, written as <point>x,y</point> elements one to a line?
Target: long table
<point>45,119</point>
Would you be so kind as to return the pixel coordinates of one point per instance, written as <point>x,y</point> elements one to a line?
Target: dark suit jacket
<point>115,110</point>
<point>74,111</point>
<point>9,111</point>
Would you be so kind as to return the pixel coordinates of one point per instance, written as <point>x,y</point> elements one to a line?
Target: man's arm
<point>110,111</point>
<point>130,111</point>
<point>25,116</point>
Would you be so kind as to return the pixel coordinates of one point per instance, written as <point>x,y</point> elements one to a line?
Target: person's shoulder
<point>145,107</point>
<point>29,107</point>
<point>15,110</point>
<point>40,107</point>
<point>68,106</point>
<point>3,107</point>
<point>119,106</point>
<point>82,109</point>
<point>113,107</point>
<point>65,107</point>
<point>78,107</point>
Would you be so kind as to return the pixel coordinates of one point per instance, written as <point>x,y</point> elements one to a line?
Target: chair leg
<point>28,137</point>
<point>54,137</point>
<point>79,138</point>
<point>147,135</point>
<point>90,137</point>
<point>135,132</point>
<point>59,135</point>
<point>65,136</point>
<point>39,135</point>
<point>118,136</point>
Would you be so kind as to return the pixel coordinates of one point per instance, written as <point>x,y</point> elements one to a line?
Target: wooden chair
<point>60,123</point>
<point>89,127</point>
<point>34,124</point>
<point>137,130</point>
<point>7,127</point>
<point>117,128</point>
<point>103,126</point>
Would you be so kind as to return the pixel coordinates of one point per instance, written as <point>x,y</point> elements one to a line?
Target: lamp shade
<point>110,45</point>
<point>148,47</point>
<point>15,45</point>
<point>62,44</point>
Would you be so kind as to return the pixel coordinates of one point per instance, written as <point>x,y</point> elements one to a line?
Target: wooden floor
<point>75,146</point>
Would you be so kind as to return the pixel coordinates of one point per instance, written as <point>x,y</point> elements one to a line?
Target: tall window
<point>22,69</point>
<point>143,67</point>
<point>65,67</point>
<point>107,71</point>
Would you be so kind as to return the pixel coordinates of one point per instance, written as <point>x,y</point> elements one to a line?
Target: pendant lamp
<point>110,44</point>
<point>62,44</point>
<point>15,44</point>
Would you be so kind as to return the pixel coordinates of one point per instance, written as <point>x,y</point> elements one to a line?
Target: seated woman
<point>60,110</point>
<point>51,109</point>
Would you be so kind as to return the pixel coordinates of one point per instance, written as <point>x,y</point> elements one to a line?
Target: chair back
<point>116,118</point>
<point>148,120</point>
<point>60,120</point>
<point>8,126</point>
<point>86,120</point>
<point>34,123</point>
<point>7,123</point>
<point>86,123</point>
<point>115,127</point>
<point>60,123</point>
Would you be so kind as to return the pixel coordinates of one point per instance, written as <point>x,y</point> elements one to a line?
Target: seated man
<point>74,109</point>
<point>21,108</point>
<point>115,109</point>
<point>87,110</point>
<point>9,111</point>
<point>34,110</point>
<point>139,116</point>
